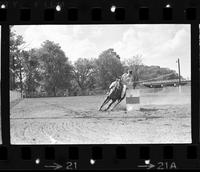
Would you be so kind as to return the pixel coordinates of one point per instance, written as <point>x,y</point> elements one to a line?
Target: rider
<point>124,80</point>
<point>126,77</point>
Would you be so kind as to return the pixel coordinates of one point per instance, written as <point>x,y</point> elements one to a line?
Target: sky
<point>158,44</point>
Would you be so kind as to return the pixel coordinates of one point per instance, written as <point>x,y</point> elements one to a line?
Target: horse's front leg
<point>105,101</point>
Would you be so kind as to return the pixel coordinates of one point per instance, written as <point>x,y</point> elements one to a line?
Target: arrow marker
<point>143,166</point>
<point>150,166</point>
<point>147,165</point>
<point>55,166</point>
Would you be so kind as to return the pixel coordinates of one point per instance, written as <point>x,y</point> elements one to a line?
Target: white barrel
<point>133,99</point>
<point>15,95</point>
<point>179,89</point>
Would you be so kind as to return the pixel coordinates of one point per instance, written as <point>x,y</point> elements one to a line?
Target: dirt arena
<point>164,117</point>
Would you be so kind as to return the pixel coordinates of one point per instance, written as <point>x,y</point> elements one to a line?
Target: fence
<point>157,96</point>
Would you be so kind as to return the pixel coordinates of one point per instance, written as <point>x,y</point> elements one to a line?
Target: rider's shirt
<point>126,78</point>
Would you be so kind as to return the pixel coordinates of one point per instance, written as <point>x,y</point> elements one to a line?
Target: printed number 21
<point>71,165</point>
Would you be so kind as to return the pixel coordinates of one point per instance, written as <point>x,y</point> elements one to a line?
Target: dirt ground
<point>76,120</point>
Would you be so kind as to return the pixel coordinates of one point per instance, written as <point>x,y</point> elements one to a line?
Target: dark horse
<point>115,94</point>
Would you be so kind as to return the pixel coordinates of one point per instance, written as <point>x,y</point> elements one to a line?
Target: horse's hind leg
<point>116,104</point>
<point>105,101</point>
<point>110,105</point>
<point>119,101</point>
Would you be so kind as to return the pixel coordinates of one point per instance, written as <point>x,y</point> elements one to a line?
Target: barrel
<point>133,99</point>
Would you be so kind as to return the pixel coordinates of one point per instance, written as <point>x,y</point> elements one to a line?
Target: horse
<point>114,94</point>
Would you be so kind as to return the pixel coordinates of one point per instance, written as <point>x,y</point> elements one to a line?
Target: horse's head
<point>118,80</point>
<point>130,72</point>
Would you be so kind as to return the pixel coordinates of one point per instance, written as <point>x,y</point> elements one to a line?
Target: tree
<point>109,67</point>
<point>55,69</point>
<point>135,65</point>
<point>83,73</point>
<point>16,61</point>
<point>154,73</point>
<point>32,71</point>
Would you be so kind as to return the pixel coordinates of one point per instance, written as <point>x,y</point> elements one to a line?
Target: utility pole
<point>179,73</point>
<point>179,76</point>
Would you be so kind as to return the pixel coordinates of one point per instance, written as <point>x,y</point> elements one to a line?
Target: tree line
<point>47,71</point>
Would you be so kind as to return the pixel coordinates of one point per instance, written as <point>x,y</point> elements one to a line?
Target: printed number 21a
<point>166,165</point>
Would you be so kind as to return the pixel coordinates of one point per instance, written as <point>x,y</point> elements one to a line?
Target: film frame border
<point>98,12</point>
